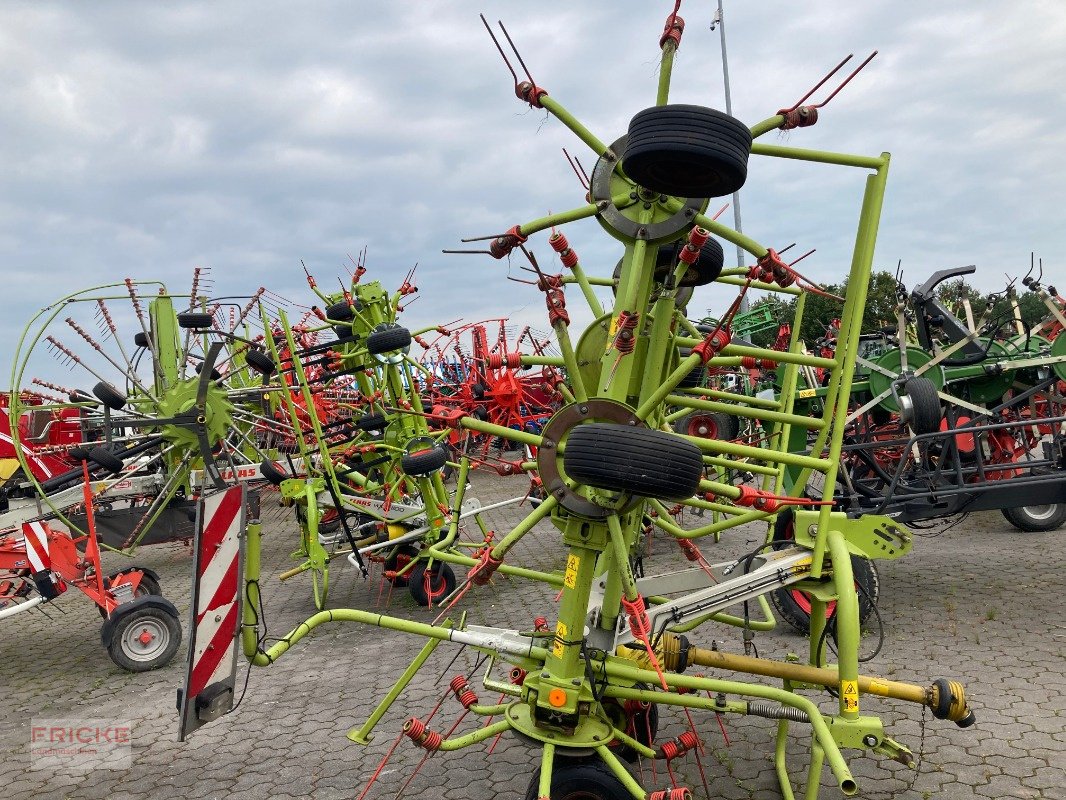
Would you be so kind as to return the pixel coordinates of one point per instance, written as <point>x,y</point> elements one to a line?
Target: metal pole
<point>719,20</point>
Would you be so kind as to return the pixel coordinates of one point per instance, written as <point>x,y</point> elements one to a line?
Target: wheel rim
<point>703,426</point>
<point>145,640</point>
<point>1040,513</point>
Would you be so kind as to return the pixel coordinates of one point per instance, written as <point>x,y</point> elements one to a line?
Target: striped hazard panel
<point>208,692</point>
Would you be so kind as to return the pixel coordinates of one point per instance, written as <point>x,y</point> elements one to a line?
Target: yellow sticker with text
<point>570,577</point>
<point>849,690</point>
<point>560,636</point>
<point>807,392</point>
<point>610,334</point>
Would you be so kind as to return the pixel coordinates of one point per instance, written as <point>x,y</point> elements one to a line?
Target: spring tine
<point>127,368</point>
<point>847,80</point>
<point>467,252</point>
<point>582,179</point>
<point>516,53</point>
<point>820,83</point>
<point>802,257</point>
<point>720,211</point>
<point>503,55</point>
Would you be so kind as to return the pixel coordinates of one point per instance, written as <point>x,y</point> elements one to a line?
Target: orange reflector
<point>557,697</point>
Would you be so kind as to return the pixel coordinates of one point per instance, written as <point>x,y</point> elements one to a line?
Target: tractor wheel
<point>426,587</point>
<point>372,422</point>
<point>709,425</point>
<point>195,320</point>
<point>143,637</point>
<point>639,461</point>
<point>388,340</point>
<point>424,462</point>
<point>580,779</point>
<point>924,405</point>
<point>109,396</point>
<point>260,362</point>
<point>272,473</point>
<point>403,556</point>
<point>1036,519</point>
<point>795,606</point>
<point>687,151</point>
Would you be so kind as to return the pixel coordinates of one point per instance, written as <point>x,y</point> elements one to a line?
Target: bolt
<point>576,681</point>
<point>545,675</point>
<point>869,740</point>
<point>547,444</point>
<point>583,409</point>
<point>632,195</point>
<point>647,206</point>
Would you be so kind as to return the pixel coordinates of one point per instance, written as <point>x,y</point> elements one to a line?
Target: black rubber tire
<point>424,462</point>
<point>639,461</point>
<point>260,362</point>
<point>161,621</point>
<point>580,779</point>
<point>687,151</point>
<point>215,374</point>
<point>793,605</point>
<point>272,473</point>
<point>195,320</point>
<point>478,391</point>
<point>695,376</point>
<point>106,459</point>
<point>706,269</point>
<point>78,453</point>
<point>109,396</point>
<point>372,422</point>
<point>926,412</point>
<point>339,312</point>
<point>709,425</point>
<point>441,582</point>
<point>404,554</point>
<point>1036,519</point>
<point>140,339</point>
<point>388,340</point>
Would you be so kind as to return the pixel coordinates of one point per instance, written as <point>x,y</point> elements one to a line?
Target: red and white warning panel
<point>35,535</point>
<point>216,609</point>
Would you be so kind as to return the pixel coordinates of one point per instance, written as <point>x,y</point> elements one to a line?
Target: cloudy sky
<point>142,139</point>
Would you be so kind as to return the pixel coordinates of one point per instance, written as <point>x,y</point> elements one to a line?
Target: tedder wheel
<point>795,606</point>
<point>272,473</point>
<point>706,269</point>
<point>428,587</point>
<point>580,779</point>
<point>110,396</point>
<point>687,151</point>
<point>388,340</point>
<point>372,422</point>
<point>143,637</point>
<point>924,414</point>
<point>339,312</point>
<point>195,320</point>
<point>403,556</point>
<point>639,461</point>
<point>709,425</point>
<point>106,459</point>
<point>260,362</point>
<point>1036,519</point>
<point>424,462</point>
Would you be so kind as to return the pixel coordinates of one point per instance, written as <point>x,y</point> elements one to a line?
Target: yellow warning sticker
<point>610,334</point>
<point>807,393</point>
<point>849,690</point>
<point>560,637</point>
<point>570,576</point>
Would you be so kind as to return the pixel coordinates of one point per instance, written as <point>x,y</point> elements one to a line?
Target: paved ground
<point>980,602</point>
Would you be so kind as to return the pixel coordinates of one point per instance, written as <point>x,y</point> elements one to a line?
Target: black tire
<point>79,453</point>
<point>925,405</point>
<point>705,269</point>
<point>372,422</point>
<point>260,362</point>
<point>639,461</point>
<point>195,320</point>
<point>424,462</point>
<point>215,374</point>
<point>388,340</point>
<point>272,473</point>
<point>106,459</point>
<point>709,425</point>
<point>687,151</point>
<point>441,582</point>
<point>143,638</point>
<point>1036,519</point>
<point>478,391</point>
<point>339,312</point>
<point>695,376</point>
<point>580,779</point>
<point>109,396</point>
<point>794,606</point>
<point>401,558</point>
<point>140,339</point>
